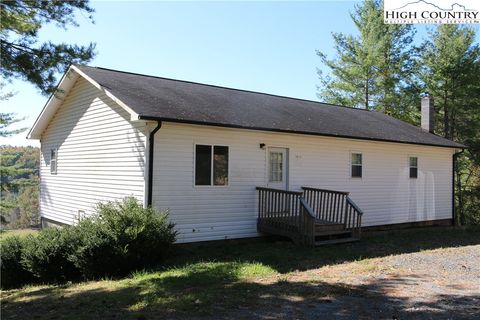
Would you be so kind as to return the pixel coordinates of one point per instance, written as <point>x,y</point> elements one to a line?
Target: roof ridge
<point>228,88</point>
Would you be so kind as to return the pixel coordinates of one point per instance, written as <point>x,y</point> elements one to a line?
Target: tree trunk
<point>460,214</point>
<point>452,124</point>
<point>366,94</point>
<point>386,76</point>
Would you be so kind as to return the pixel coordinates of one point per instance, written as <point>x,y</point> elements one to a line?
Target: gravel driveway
<point>442,283</point>
<point>436,284</point>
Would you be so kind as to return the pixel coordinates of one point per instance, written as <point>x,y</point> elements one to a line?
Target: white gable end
<point>100,154</point>
<point>65,85</point>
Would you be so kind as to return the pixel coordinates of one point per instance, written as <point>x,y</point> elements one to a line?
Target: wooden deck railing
<point>353,218</point>
<point>285,213</point>
<point>332,206</point>
<point>307,224</point>
<point>297,214</point>
<point>328,205</point>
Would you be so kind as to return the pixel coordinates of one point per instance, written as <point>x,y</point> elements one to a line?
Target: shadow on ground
<point>184,297</point>
<point>284,256</point>
<point>215,289</point>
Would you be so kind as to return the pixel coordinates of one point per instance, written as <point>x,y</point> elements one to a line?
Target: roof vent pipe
<point>428,113</point>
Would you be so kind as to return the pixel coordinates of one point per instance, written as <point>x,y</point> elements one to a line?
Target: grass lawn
<point>212,279</point>
<point>16,232</point>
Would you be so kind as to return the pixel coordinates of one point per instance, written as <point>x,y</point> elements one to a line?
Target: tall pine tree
<point>373,69</point>
<point>24,57</point>
<point>450,71</point>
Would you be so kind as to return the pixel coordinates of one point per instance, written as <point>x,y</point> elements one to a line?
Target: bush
<point>49,255</point>
<point>123,237</point>
<point>95,256</point>
<point>13,273</point>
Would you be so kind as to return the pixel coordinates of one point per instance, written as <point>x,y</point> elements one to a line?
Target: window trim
<point>212,146</point>
<point>352,152</point>
<point>410,167</point>
<point>54,172</point>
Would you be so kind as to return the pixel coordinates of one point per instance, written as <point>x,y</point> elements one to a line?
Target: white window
<point>276,166</point>
<point>211,165</point>
<point>413,164</point>
<point>53,161</point>
<point>356,164</point>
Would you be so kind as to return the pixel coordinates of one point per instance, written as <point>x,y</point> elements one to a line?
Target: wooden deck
<point>311,217</point>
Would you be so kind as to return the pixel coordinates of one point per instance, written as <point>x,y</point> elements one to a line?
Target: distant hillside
<point>19,169</point>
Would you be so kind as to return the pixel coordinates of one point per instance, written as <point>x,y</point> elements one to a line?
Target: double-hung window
<point>211,165</point>
<point>413,164</point>
<point>356,164</point>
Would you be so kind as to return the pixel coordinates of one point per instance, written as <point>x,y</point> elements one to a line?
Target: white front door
<point>277,168</point>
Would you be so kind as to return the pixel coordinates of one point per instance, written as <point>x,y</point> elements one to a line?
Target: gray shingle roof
<point>183,101</point>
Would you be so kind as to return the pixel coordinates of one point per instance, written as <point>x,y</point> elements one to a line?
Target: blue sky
<point>261,46</point>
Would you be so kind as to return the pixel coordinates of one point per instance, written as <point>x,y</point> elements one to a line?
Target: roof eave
<point>145,117</point>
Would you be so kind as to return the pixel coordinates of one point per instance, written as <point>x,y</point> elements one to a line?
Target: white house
<point>201,151</point>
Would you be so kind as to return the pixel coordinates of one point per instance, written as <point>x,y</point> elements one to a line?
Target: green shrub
<point>48,256</point>
<point>13,273</point>
<point>97,255</point>
<point>123,237</point>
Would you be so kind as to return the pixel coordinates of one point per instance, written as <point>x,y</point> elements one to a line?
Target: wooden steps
<point>336,241</point>
<point>330,233</point>
<point>321,227</point>
<point>309,217</point>
<point>333,233</point>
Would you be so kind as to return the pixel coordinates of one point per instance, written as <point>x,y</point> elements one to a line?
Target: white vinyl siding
<point>385,193</point>
<point>100,155</point>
